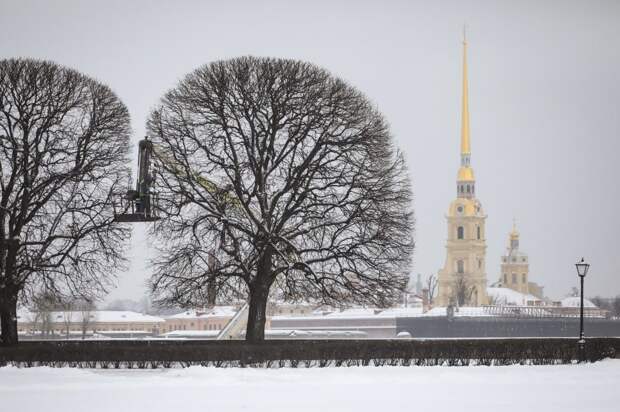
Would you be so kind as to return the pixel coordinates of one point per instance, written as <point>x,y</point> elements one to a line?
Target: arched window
<point>478,230</point>
<point>460,232</point>
<point>460,266</point>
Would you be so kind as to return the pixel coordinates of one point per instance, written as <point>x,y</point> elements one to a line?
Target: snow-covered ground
<point>588,387</point>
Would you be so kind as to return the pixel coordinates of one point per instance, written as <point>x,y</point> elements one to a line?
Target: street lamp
<point>582,270</point>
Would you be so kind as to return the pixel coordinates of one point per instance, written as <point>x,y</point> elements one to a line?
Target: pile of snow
<point>586,387</point>
<point>575,302</point>
<point>195,334</point>
<point>507,296</point>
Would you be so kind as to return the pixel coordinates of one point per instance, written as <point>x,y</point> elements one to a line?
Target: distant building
<point>211,319</point>
<point>515,268</point>
<point>76,323</point>
<point>464,269</point>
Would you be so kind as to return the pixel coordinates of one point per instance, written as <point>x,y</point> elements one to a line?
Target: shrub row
<point>305,353</point>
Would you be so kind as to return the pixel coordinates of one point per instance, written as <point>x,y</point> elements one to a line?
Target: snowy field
<point>589,387</point>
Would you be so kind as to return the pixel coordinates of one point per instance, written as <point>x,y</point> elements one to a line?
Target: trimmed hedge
<point>307,353</point>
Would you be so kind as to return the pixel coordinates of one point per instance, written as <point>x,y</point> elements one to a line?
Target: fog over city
<point>544,89</point>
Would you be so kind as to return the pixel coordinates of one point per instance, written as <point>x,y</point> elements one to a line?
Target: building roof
<point>575,302</point>
<point>215,312</point>
<point>507,296</point>
<point>103,316</point>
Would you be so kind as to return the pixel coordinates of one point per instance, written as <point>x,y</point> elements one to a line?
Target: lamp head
<point>582,267</point>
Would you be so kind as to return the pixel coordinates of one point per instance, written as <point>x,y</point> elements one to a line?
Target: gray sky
<point>544,99</point>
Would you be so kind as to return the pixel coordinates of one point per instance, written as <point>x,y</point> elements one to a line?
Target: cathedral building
<point>515,269</point>
<point>463,279</point>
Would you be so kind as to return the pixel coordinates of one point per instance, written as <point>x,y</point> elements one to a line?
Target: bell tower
<point>463,281</point>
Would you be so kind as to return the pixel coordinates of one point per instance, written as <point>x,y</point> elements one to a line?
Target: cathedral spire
<point>465,185</point>
<point>465,149</point>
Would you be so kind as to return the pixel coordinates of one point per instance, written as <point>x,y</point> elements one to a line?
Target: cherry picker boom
<point>141,204</point>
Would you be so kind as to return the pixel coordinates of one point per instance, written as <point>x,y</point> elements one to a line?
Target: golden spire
<point>514,235</point>
<point>465,149</point>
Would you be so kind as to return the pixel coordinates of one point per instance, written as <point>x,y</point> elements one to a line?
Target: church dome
<point>466,174</point>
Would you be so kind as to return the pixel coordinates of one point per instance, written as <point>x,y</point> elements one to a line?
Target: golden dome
<point>466,174</point>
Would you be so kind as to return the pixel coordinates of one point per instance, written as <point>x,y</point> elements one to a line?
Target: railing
<point>543,311</point>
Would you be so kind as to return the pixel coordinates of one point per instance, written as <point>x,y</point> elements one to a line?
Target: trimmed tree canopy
<point>273,174</point>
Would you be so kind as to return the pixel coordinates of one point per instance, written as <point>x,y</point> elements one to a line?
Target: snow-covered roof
<point>507,296</point>
<point>102,316</point>
<point>215,312</point>
<point>575,302</point>
<point>461,311</point>
<point>192,333</point>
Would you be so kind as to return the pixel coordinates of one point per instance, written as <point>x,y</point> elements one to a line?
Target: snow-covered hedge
<point>305,353</point>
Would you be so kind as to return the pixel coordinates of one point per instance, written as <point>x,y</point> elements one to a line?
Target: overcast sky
<point>544,101</point>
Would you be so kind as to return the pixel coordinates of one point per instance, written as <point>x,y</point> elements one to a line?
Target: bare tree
<point>431,287</point>
<point>463,290</point>
<point>86,309</point>
<point>43,304</point>
<point>67,316</point>
<point>63,145</point>
<point>283,177</point>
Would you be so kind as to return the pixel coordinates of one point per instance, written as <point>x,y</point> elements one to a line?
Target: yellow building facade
<point>463,279</point>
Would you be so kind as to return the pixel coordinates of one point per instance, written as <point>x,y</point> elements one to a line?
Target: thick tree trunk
<point>257,314</point>
<point>8,319</point>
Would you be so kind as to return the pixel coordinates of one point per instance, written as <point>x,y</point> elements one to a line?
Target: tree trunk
<point>8,319</point>
<point>8,295</point>
<point>257,314</point>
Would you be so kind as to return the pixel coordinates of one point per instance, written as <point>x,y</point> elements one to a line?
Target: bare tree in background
<point>463,290</point>
<point>43,304</point>
<point>86,309</point>
<point>64,140</point>
<point>431,287</point>
<point>284,177</point>
<point>67,316</point>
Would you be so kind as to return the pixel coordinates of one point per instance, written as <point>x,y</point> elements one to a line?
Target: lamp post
<point>582,270</point>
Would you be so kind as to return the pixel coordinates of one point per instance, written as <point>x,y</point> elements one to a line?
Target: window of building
<point>523,278</point>
<point>460,266</point>
<point>468,189</point>
<point>505,278</point>
<point>479,263</point>
<point>478,230</point>
<point>514,278</point>
<point>460,232</point>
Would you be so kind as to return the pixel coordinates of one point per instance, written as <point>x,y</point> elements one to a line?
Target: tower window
<point>478,230</point>
<point>460,266</point>
<point>460,232</point>
<point>468,189</point>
